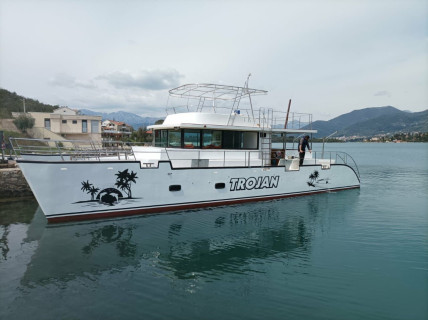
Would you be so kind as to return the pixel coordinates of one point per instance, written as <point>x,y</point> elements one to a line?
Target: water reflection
<point>259,234</point>
<point>119,236</point>
<point>203,243</point>
<point>14,213</point>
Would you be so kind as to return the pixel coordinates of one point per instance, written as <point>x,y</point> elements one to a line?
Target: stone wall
<point>13,184</point>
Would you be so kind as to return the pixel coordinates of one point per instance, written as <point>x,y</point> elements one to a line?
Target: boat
<point>212,149</point>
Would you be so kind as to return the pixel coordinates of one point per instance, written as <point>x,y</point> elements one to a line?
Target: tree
<point>24,122</point>
<point>140,135</point>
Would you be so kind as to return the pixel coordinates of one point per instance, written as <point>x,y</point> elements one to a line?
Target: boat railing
<point>264,117</point>
<point>70,150</point>
<point>327,158</point>
<point>201,158</point>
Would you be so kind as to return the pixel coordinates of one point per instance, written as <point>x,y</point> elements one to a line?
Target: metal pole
<point>288,112</point>
<point>323,141</point>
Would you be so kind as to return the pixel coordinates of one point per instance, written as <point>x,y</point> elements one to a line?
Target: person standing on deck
<point>304,142</point>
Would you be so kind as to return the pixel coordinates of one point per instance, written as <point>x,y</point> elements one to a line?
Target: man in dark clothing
<point>304,142</point>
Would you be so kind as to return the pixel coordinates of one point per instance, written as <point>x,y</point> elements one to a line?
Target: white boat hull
<point>59,186</point>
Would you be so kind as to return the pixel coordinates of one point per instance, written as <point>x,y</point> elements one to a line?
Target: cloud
<point>67,81</point>
<point>151,80</point>
<point>383,93</point>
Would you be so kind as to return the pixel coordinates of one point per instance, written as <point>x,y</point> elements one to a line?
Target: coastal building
<point>115,130</point>
<point>65,123</point>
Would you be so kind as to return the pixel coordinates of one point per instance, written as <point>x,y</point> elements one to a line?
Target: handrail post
<point>59,150</point>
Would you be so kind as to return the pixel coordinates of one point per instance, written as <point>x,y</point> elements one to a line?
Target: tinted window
<point>161,138</point>
<point>192,138</point>
<point>174,138</point>
<point>211,139</point>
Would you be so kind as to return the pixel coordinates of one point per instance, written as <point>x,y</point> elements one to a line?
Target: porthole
<point>175,187</point>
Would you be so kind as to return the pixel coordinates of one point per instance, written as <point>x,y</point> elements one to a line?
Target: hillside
<point>12,102</point>
<point>373,121</point>
<point>129,118</point>
<point>389,124</point>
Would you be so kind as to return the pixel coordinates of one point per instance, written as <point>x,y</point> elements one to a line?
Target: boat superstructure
<point>214,149</point>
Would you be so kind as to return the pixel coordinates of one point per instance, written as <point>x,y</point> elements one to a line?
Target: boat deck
<point>149,157</point>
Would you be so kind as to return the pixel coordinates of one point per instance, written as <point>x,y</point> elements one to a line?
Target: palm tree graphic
<point>124,180</point>
<point>86,186</point>
<point>89,188</point>
<point>93,191</point>
<point>313,178</point>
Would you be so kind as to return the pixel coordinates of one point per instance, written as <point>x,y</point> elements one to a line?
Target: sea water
<point>356,254</point>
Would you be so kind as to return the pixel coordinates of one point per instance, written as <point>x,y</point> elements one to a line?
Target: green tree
<point>24,122</point>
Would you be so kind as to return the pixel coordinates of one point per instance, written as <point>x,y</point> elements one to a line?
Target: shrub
<point>24,122</point>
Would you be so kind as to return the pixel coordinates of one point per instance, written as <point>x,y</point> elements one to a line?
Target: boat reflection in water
<point>204,243</point>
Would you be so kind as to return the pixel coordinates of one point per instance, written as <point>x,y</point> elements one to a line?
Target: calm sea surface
<point>357,254</point>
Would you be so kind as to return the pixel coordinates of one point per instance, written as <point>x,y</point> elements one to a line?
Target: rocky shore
<point>13,183</point>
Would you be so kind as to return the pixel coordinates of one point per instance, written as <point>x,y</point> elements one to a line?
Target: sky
<point>329,57</point>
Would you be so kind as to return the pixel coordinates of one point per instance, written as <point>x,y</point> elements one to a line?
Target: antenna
<point>249,96</point>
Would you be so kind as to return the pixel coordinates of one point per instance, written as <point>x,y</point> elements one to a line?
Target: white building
<point>67,123</point>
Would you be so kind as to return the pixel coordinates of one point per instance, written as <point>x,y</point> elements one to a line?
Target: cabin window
<point>211,139</point>
<point>192,139</point>
<point>64,121</point>
<point>233,140</point>
<point>207,139</point>
<point>174,138</point>
<point>250,140</point>
<point>175,187</point>
<point>74,121</point>
<point>220,185</point>
<point>161,138</point>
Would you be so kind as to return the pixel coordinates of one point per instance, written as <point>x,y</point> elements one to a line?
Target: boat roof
<point>209,91</point>
<point>216,121</point>
<point>223,101</point>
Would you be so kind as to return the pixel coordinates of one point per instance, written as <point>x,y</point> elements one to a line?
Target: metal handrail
<point>71,149</point>
<point>267,116</point>
<point>88,150</point>
<point>344,157</point>
<point>248,158</point>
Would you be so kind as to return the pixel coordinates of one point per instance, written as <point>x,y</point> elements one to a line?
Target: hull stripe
<point>78,216</point>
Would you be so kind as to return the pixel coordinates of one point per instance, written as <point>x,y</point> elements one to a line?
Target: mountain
<point>366,122</point>
<point>373,121</point>
<point>129,118</point>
